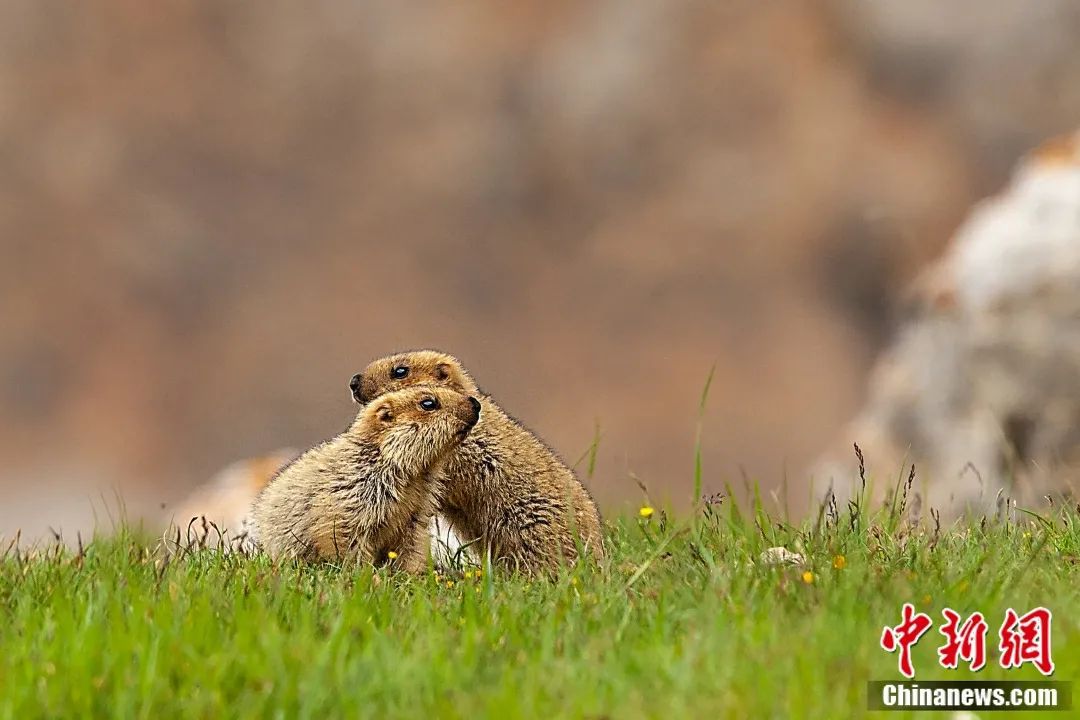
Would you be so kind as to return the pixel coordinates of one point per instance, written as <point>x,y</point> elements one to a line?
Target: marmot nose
<point>475,404</point>
<point>354,385</point>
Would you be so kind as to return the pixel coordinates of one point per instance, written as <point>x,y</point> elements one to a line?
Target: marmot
<point>502,487</point>
<point>371,490</point>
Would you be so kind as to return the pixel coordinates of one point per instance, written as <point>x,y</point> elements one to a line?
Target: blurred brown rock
<point>226,499</point>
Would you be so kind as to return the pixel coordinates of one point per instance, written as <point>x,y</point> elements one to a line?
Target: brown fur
<point>502,486</point>
<point>369,491</point>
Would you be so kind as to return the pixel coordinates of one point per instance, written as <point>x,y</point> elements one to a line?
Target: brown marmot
<point>502,487</point>
<point>370,491</point>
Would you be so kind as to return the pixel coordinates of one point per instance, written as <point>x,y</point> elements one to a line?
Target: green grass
<point>680,622</point>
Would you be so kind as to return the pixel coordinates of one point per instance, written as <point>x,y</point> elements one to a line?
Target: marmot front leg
<point>413,556</point>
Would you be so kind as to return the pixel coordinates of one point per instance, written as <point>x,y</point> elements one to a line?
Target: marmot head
<point>402,370</point>
<point>416,427</point>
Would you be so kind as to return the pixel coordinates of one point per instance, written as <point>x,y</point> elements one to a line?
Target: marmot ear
<point>442,371</point>
<point>384,413</point>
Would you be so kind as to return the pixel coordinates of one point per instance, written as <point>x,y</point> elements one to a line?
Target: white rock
<point>980,388</point>
<point>781,556</point>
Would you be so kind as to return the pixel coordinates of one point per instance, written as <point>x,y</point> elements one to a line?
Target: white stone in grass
<point>781,556</point>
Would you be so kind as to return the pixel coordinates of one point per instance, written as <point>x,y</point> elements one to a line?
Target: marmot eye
<point>399,372</point>
<point>429,404</point>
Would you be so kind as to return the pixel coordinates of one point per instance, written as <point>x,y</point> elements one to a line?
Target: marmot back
<point>371,490</point>
<point>503,486</point>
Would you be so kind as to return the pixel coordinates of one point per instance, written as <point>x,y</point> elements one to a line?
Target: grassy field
<point>683,621</point>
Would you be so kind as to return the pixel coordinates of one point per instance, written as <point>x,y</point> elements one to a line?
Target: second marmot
<point>503,487</point>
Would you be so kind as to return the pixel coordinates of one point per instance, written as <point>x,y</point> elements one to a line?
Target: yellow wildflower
<point>392,555</point>
<point>646,512</point>
<point>808,577</point>
<point>839,562</point>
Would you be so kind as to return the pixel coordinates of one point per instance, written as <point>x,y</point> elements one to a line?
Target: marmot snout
<point>371,490</point>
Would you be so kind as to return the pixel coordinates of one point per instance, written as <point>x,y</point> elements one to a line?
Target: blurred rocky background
<point>981,387</point>
<point>213,213</point>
